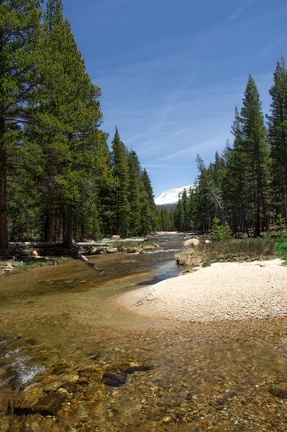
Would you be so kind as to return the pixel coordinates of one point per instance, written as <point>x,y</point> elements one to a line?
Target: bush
<point>220,231</point>
<point>281,246</point>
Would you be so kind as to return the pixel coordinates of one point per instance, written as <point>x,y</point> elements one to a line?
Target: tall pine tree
<point>120,170</point>
<point>148,209</point>
<point>134,193</point>
<point>257,155</point>
<point>19,32</point>
<point>69,114</point>
<point>277,133</point>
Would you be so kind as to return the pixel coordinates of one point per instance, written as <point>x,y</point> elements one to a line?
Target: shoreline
<point>221,292</point>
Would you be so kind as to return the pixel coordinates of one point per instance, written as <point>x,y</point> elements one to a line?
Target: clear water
<point>65,319</point>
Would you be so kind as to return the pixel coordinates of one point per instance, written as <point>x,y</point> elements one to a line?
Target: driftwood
<point>83,258</point>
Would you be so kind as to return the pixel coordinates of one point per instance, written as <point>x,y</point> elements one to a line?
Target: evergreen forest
<point>245,186</point>
<point>59,179</point>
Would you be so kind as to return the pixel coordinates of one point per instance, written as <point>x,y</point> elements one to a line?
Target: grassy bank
<point>233,250</point>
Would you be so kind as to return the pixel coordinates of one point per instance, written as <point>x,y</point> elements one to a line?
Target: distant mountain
<point>171,196</point>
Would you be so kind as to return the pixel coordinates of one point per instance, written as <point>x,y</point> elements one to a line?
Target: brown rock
<point>281,393</point>
<point>133,250</point>
<point>114,379</point>
<point>35,401</point>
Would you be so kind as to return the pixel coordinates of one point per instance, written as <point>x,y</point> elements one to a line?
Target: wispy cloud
<point>171,76</point>
<point>237,13</point>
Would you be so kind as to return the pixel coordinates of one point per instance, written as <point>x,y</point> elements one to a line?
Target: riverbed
<point>73,359</point>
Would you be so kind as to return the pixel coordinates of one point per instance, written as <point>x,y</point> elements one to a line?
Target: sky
<point>173,71</point>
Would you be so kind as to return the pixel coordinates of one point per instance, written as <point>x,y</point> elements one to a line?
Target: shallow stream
<point>73,359</point>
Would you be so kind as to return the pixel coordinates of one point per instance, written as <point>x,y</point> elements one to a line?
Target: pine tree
<point>179,216</point>
<point>277,133</point>
<point>235,183</point>
<point>19,31</point>
<point>148,208</point>
<point>208,197</point>
<point>165,220</point>
<point>257,154</point>
<point>69,115</point>
<point>183,217</point>
<point>134,193</point>
<point>93,185</point>
<point>54,13</point>
<point>121,205</point>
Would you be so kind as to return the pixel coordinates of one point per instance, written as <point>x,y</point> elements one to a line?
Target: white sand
<point>222,291</point>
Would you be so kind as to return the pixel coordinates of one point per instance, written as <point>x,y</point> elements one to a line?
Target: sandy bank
<point>223,291</point>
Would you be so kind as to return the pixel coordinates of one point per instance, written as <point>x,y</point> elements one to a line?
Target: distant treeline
<point>58,178</point>
<point>245,186</point>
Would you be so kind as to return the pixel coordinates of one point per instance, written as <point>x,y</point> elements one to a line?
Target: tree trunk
<point>257,222</point>
<point>67,228</point>
<point>3,192</point>
<point>50,225</point>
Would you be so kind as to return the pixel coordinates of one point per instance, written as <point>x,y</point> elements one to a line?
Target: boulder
<point>133,250</point>
<point>112,250</point>
<point>191,242</point>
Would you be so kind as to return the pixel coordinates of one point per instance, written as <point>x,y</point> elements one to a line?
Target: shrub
<point>220,231</point>
<point>281,223</point>
<point>281,247</point>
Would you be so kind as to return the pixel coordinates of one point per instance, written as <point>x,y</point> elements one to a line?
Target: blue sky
<point>172,72</point>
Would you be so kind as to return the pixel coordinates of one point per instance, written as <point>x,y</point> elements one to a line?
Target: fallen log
<point>34,244</point>
<point>83,258</point>
<point>84,244</point>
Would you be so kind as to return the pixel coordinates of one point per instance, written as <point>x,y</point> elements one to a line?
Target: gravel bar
<point>223,291</point>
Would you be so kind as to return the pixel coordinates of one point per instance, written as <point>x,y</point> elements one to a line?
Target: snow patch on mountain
<point>171,196</point>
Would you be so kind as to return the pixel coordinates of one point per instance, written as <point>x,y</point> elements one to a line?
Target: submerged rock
<point>114,379</point>
<point>119,378</point>
<point>34,400</point>
<point>141,368</point>
<point>281,393</point>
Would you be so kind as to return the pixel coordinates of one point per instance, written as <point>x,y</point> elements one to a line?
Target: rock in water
<point>281,393</point>
<point>114,379</point>
<point>141,368</point>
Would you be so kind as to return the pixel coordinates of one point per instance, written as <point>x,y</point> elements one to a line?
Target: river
<point>73,359</point>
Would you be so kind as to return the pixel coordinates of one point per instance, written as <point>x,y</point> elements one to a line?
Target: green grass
<point>18,265</point>
<point>281,247</point>
<point>234,250</point>
<point>132,244</point>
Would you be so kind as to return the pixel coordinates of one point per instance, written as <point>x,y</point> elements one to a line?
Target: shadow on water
<point>164,271</point>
